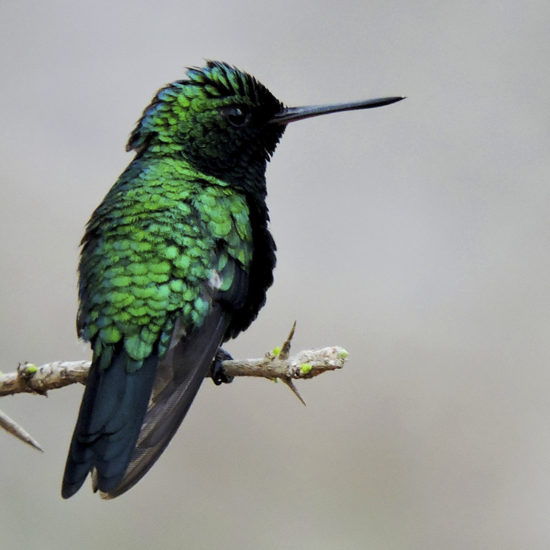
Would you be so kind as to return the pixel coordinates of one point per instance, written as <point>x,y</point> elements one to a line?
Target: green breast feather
<point>161,243</point>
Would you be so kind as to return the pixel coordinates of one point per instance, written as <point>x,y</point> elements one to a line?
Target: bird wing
<point>181,371</point>
<point>178,378</point>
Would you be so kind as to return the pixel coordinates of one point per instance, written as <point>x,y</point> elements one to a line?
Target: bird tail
<point>178,378</point>
<point>110,417</point>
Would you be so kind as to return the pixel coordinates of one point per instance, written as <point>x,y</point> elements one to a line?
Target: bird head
<point>223,122</point>
<point>218,120</point>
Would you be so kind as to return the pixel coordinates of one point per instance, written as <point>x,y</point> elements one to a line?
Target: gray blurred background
<point>415,235</point>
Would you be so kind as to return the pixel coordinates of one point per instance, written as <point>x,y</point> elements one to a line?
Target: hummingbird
<point>175,261</point>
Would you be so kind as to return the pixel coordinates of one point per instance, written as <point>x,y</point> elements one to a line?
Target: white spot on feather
<point>216,280</point>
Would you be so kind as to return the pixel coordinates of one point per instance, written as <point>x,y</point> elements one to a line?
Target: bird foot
<point>217,371</point>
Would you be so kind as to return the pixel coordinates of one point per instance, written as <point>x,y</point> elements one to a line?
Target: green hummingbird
<point>175,260</point>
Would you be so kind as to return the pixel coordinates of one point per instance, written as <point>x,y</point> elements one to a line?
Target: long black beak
<point>290,114</point>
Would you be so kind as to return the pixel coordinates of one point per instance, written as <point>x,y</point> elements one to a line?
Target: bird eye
<point>236,116</point>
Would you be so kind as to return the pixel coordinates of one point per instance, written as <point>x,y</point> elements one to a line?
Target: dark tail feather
<point>177,381</point>
<point>110,417</point>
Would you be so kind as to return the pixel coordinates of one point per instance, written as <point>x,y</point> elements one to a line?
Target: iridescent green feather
<point>151,251</point>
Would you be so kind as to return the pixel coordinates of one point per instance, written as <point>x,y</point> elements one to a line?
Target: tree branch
<point>29,378</point>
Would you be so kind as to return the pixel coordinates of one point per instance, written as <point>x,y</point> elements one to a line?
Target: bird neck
<point>246,177</point>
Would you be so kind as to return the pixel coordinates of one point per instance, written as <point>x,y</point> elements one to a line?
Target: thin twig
<point>15,429</point>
